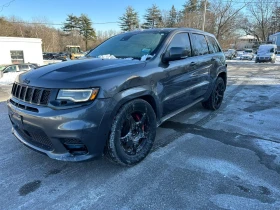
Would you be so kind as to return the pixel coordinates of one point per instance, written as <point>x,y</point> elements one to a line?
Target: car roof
<point>270,45</point>
<point>167,30</point>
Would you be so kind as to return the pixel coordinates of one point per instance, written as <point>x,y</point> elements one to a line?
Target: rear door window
<point>181,40</point>
<point>199,45</point>
<point>213,45</point>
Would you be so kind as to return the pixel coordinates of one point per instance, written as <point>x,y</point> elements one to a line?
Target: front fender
<point>145,92</point>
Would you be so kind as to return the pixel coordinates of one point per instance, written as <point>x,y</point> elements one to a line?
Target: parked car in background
<point>113,100</point>
<point>239,55</point>
<point>49,56</point>
<point>266,53</point>
<point>248,54</point>
<point>230,54</point>
<point>62,56</point>
<point>18,67</point>
<point>56,56</point>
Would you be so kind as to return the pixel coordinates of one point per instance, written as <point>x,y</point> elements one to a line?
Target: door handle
<point>193,64</point>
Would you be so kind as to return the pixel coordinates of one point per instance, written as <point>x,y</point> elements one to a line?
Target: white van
<point>266,53</point>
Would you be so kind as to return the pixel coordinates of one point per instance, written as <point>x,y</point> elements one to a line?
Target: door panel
<point>177,79</point>
<point>201,74</point>
<point>177,85</point>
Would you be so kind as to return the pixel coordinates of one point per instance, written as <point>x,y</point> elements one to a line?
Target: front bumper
<point>71,134</point>
<point>246,58</point>
<point>263,59</point>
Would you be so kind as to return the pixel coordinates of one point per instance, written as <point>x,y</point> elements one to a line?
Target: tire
<point>215,100</point>
<point>132,134</point>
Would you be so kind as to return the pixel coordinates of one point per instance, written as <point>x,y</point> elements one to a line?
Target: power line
<point>58,24</point>
<point>6,5</point>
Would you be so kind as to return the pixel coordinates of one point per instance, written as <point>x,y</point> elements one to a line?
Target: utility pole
<point>204,14</point>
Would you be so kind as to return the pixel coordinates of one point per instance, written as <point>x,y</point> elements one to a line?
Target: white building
<point>275,39</point>
<point>20,50</point>
<point>245,42</point>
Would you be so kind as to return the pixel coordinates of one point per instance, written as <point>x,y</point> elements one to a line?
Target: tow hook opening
<point>76,149</point>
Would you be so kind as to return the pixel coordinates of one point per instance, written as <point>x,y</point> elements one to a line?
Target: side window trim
<point>210,43</point>
<point>207,41</point>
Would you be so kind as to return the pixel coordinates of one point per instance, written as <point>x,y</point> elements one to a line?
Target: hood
<point>78,73</point>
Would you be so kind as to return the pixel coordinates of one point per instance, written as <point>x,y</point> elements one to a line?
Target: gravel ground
<point>228,159</point>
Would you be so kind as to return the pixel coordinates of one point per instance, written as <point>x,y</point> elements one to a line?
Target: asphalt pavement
<point>227,159</point>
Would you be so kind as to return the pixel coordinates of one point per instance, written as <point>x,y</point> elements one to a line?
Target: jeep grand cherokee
<point>112,101</point>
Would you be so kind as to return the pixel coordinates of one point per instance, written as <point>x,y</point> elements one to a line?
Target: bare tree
<point>226,18</point>
<point>261,12</point>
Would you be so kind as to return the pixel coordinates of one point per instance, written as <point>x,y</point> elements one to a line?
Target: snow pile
<point>9,78</point>
<point>108,56</point>
<point>146,57</point>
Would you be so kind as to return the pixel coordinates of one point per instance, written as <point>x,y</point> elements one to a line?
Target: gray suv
<point>112,101</point>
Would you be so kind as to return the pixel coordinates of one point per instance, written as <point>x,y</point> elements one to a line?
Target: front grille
<point>39,96</point>
<point>71,141</point>
<point>264,58</point>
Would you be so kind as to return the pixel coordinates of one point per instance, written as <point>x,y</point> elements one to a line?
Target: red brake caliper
<point>138,118</point>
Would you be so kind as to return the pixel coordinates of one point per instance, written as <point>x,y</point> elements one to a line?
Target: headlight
<point>77,95</point>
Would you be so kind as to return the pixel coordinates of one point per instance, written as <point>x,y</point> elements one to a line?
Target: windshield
<point>73,49</point>
<point>248,51</point>
<point>265,49</point>
<point>130,45</point>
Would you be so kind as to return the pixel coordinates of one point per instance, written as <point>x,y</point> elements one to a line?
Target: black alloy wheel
<point>216,98</point>
<point>132,134</point>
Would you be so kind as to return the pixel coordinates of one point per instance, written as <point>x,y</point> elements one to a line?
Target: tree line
<point>225,19</point>
<point>74,31</point>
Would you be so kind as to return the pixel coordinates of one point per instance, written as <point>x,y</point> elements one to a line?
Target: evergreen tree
<point>172,17</point>
<point>153,17</point>
<point>85,28</point>
<point>71,24</point>
<point>190,6</point>
<point>129,20</point>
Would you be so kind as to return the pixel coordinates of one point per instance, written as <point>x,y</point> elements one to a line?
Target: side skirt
<point>178,111</point>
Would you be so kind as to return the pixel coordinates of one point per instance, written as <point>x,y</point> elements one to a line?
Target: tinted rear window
<point>213,45</point>
<point>199,44</point>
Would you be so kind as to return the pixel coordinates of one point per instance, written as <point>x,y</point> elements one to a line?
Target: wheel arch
<point>223,75</point>
<point>143,93</point>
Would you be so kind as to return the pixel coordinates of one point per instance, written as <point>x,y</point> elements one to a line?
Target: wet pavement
<point>228,159</point>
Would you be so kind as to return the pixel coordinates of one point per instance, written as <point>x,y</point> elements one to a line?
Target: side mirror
<point>174,53</point>
<point>276,52</point>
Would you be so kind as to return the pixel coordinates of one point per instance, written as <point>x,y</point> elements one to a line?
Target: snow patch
<point>146,57</point>
<point>226,201</point>
<point>108,56</point>
<point>215,165</point>
<point>270,148</point>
